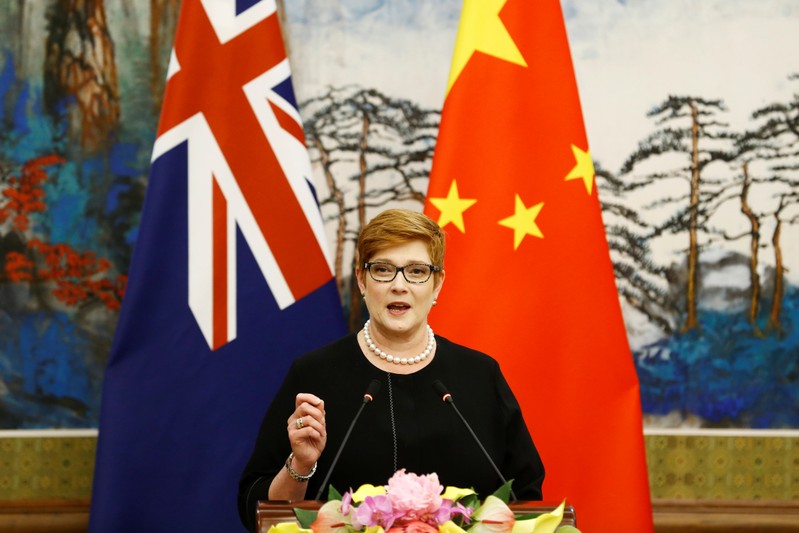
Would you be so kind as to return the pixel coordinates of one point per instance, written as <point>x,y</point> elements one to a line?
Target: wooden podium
<point>273,512</point>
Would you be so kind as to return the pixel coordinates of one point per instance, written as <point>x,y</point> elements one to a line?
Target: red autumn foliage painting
<point>73,277</point>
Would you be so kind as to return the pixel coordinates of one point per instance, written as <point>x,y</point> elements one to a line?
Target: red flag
<point>529,277</point>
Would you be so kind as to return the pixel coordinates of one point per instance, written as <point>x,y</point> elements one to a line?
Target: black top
<point>430,437</point>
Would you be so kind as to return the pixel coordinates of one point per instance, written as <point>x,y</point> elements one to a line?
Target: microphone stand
<point>368,397</point>
<point>447,397</point>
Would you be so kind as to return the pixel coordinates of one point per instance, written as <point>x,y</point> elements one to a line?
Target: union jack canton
<point>248,164</point>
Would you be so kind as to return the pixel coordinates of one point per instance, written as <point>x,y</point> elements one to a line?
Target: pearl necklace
<point>431,343</point>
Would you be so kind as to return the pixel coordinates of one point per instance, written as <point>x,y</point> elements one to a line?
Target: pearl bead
<point>431,343</point>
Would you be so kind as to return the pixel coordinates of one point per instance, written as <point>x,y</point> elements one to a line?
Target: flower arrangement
<point>412,503</point>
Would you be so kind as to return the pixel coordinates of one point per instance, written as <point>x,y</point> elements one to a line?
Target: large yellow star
<point>452,207</point>
<point>482,30</point>
<point>522,222</point>
<point>584,169</point>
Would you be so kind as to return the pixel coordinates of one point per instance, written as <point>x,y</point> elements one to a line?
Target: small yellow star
<point>523,222</point>
<point>482,30</point>
<point>584,169</point>
<point>452,207</point>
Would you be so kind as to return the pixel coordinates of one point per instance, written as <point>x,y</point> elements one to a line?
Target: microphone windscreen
<point>441,390</point>
<point>371,390</point>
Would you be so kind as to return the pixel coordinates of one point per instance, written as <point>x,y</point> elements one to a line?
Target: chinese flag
<point>528,274</point>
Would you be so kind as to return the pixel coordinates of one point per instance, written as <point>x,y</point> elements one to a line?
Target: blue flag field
<point>229,281</point>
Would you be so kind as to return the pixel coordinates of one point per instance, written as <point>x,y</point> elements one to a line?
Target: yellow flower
<point>456,493</point>
<point>450,527</point>
<point>367,490</point>
<point>374,529</point>
<point>287,527</point>
<point>545,523</point>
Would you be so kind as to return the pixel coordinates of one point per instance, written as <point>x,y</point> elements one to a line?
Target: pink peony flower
<point>413,496</point>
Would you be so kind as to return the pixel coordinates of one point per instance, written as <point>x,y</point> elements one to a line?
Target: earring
<point>435,302</point>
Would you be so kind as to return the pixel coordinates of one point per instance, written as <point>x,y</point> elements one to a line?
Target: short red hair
<point>393,227</point>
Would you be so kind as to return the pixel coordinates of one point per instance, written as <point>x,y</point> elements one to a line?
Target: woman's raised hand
<point>307,431</point>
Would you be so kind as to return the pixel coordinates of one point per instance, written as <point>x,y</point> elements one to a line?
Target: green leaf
<point>503,493</point>
<point>305,517</point>
<point>472,501</point>
<point>527,516</point>
<point>332,493</point>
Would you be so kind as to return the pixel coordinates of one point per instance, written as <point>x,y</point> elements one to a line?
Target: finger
<point>307,437</point>
<point>306,409</point>
<point>307,397</point>
<point>302,414</point>
<point>316,425</point>
<point>296,426</point>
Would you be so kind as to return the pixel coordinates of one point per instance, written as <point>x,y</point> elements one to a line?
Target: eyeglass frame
<point>368,267</point>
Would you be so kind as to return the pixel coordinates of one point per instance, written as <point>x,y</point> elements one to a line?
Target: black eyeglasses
<point>415,273</point>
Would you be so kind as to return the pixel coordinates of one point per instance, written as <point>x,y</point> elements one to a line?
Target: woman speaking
<point>400,274</point>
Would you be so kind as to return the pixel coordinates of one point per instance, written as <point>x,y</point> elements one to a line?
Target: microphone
<point>442,391</point>
<point>368,397</point>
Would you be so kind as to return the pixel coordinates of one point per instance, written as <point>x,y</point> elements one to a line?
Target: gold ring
<point>299,423</point>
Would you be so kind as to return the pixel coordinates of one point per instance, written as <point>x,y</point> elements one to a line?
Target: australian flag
<point>230,280</point>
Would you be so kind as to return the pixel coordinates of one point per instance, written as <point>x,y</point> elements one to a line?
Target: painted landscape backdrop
<point>696,163</point>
